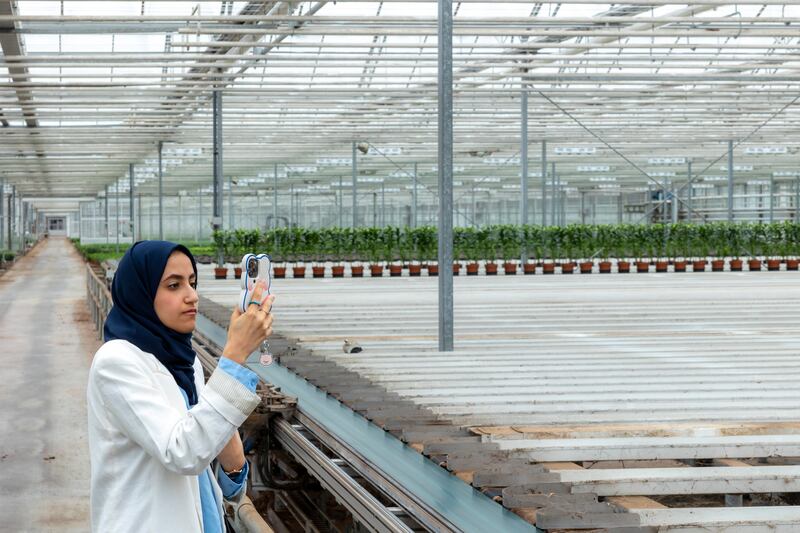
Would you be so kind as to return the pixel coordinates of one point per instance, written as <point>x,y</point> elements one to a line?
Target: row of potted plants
<point>583,245</point>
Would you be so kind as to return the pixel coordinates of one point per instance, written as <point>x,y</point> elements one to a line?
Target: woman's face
<point>176,298</point>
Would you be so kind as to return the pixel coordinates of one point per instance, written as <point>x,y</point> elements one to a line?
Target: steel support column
<point>354,165</point>
<point>116,215</point>
<point>689,192</point>
<point>797,199</point>
<point>383,204</point>
<point>105,206</point>
<point>340,196</point>
<point>445,161</point>
<point>2,214</point>
<point>131,173</point>
<point>771,199</point>
<point>414,199</point>
<point>231,220</point>
<point>554,201</point>
<point>523,207</point>
<point>544,183</point>
<point>160,191</point>
<point>730,181</point>
<point>216,220</point>
<point>275,197</point>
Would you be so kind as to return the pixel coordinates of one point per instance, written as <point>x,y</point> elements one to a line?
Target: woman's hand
<point>247,330</point>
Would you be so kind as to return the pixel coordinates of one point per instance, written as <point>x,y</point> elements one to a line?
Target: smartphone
<point>255,268</point>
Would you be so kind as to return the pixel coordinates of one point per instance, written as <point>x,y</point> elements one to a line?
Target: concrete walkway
<point>47,344</point>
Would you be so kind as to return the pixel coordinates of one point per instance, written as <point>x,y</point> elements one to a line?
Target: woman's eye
<point>172,286</point>
<point>194,285</point>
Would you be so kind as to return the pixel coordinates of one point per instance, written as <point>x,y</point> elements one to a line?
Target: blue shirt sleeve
<point>245,376</point>
<point>232,485</point>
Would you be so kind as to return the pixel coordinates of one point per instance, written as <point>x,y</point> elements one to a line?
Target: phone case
<point>248,282</point>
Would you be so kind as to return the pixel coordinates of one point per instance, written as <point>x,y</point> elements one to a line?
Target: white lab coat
<point>147,448</point>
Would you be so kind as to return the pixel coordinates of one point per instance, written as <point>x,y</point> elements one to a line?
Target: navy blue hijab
<point>133,317</point>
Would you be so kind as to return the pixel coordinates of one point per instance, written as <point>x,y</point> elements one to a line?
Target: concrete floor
<point>48,343</point>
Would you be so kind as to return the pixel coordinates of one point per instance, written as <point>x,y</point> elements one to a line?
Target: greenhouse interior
<point>532,264</point>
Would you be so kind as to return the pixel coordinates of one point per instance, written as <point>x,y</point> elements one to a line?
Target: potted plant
<point>487,249</point>
<point>532,243</point>
<point>467,239</point>
<point>678,247</point>
<point>774,246</point>
<point>221,245</point>
<point>605,235</point>
<point>508,244</point>
<point>755,243</point>
<point>551,249</point>
<point>278,238</point>
<point>297,251</point>
<point>586,244</point>
<point>792,240</point>
<point>701,243</point>
<point>390,245</point>
<point>335,244</point>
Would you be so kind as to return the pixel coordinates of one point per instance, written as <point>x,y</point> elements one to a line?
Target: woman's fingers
<point>257,296</point>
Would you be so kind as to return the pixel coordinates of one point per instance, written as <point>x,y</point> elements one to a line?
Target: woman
<point>154,426</point>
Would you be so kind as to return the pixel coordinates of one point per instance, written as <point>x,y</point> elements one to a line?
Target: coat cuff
<point>229,397</point>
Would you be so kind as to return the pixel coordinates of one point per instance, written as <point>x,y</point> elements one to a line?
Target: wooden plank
<point>770,519</point>
<point>663,481</point>
<point>730,462</point>
<point>636,430</point>
<point>635,502</point>
<point>646,448</point>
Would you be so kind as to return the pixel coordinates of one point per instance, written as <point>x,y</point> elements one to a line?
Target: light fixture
<point>457,169</point>
<point>758,182</point>
<point>370,180</point>
<point>575,150</point>
<point>593,168</point>
<point>702,186</point>
<point>666,161</point>
<point>391,189</point>
<point>335,161</point>
<point>268,175</point>
<point>739,168</point>
<point>602,178</point>
<point>488,180</point>
<point>662,174</point>
<point>387,150</point>
<point>344,184</point>
<point>608,186</point>
<point>299,169</point>
<point>786,174</point>
<point>510,186</point>
<point>715,178</point>
<point>760,150</point>
<point>501,161</point>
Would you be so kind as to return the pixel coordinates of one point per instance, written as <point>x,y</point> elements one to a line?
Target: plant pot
<point>415,270</point>
<point>587,267</point>
<point>568,267</point>
<point>605,267</point>
<point>736,265</point>
<point>491,269</point>
<point>299,272</point>
<point>642,267</point>
<point>662,266</point>
<point>376,271</point>
<point>510,268</point>
<point>529,269</point>
<point>773,264</point>
<point>472,269</point>
<point>548,268</point>
<point>792,264</point>
<point>237,272</point>
<point>456,268</point>
<point>337,271</point>
<point>717,265</point>
<point>433,270</point>
<point>279,272</point>
<point>318,271</point>
<point>754,264</point>
<point>395,270</point>
<point>357,271</point>
<point>220,273</point>
<point>699,266</point>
